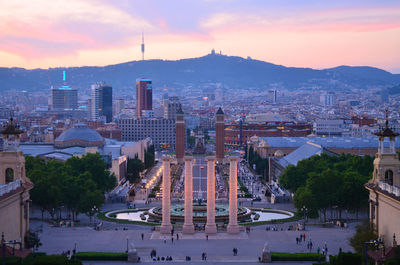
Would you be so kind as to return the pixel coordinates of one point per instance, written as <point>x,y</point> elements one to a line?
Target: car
<point>257,199</point>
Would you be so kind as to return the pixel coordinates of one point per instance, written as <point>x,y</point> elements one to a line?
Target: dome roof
<point>278,153</point>
<point>80,135</point>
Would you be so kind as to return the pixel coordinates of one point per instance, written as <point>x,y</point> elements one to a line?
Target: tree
<point>135,166</point>
<point>149,157</point>
<point>364,232</point>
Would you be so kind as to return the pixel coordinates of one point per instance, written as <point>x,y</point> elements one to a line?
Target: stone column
<point>211,227</point>
<point>188,227</point>
<point>233,227</point>
<point>166,226</point>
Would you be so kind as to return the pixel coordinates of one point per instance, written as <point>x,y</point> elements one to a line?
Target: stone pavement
<point>219,249</point>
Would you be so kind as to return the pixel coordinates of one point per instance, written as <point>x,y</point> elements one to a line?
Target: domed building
<point>81,136</point>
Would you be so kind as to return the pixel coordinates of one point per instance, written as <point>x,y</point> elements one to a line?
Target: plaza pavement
<point>218,248</point>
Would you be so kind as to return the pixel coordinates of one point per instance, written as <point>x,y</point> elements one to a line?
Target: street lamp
<point>3,247</point>
<point>376,243</point>
<point>93,212</point>
<point>127,244</point>
<point>74,251</point>
<point>304,209</point>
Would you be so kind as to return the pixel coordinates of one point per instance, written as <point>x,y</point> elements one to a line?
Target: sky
<point>300,33</point>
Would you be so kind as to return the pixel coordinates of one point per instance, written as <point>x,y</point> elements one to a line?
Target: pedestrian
<point>310,245</point>
<point>318,250</point>
<point>206,237</point>
<point>142,235</point>
<point>205,256</point>
<point>297,240</point>
<point>304,237</point>
<point>172,239</point>
<point>340,250</point>
<point>177,236</point>
<point>165,240</point>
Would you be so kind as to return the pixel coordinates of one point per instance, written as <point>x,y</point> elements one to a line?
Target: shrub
<point>101,256</point>
<point>346,258</point>
<point>281,256</point>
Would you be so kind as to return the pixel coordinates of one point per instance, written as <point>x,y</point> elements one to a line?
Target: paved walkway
<point>219,249</point>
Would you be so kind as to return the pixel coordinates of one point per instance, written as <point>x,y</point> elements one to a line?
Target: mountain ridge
<point>230,71</point>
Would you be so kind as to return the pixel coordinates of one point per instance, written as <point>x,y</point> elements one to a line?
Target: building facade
<point>14,187</point>
<point>144,96</point>
<point>161,131</point>
<point>171,107</point>
<point>384,188</point>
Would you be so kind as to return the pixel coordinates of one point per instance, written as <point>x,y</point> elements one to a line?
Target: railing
<point>390,188</point>
<point>10,187</point>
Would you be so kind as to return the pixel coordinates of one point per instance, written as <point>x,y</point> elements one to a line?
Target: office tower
<point>171,107</point>
<point>101,102</point>
<point>144,96</point>
<point>64,98</point>
<point>273,96</point>
<point>219,135</point>
<point>180,135</point>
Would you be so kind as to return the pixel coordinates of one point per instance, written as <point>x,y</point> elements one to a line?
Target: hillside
<point>232,71</point>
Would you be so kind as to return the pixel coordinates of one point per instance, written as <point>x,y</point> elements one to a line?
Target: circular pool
<point>154,215</point>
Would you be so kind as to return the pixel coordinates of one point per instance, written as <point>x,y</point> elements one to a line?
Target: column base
<point>233,229</point>
<point>188,229</point>
<point>166,229</point>
<point>180,160</point>
<point>211,229</point>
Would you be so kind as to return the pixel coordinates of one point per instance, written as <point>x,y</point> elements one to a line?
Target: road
<point>200,178</point>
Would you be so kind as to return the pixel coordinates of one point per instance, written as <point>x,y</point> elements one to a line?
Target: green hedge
<point>101,256</point>
<point>281,256</point>
<point>53,260</point>
<point>12,260</point>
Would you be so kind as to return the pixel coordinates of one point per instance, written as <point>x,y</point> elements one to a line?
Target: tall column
<point>180,136</point>
<point>188,227</point>
<point>211,227</point>
<point>219,135</point>
<point>166,226</point>
<point>233,227</point>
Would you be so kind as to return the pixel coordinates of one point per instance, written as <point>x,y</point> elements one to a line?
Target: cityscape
<point>215,132</point>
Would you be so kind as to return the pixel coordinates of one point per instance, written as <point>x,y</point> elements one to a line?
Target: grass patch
<point>102,216</point>
<point>101,256</point>
<point>281,256</point>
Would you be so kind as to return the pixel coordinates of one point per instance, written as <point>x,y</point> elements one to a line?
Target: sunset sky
<point>312,33</point>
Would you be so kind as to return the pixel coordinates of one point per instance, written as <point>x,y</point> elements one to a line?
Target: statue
<point>266,254</point>
<point>132,254</point>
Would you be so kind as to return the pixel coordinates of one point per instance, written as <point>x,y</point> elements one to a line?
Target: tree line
<point>261,164</point>
<point>77,185</point>
<point>136,166</point>
<point>329,182</point>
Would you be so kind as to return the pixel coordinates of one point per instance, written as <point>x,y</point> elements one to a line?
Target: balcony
<point>390,188</point>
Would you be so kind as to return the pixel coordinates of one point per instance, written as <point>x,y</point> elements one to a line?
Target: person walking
<point>206,237</point>
<point>172,239</point>
<point>165,240</point>
<point>142,235</point>
<point>177,236</point>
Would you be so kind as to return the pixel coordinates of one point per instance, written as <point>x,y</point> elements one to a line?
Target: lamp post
<point>127,244</point>
<point>93,212</point>
<point>376,243</point>
<point>304,209</point>
<point>3,248</point>
<point>74,251</point>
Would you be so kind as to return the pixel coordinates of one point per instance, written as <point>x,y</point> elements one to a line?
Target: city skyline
<point>45,34</point>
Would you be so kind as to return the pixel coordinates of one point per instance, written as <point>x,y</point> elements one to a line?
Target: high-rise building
<point>180,135</point>
<point>219,135</point>
<point>101,102</point>
<point>171,107</point>
<point>119,106</point>
<point>327,99</point>
<point>160,131</point>
<point>273,94</point>
<point>144,96</point>
<point>64,98</point>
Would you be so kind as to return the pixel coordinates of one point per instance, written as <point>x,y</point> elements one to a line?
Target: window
<point>9,175</point>
<point>389,177</point>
